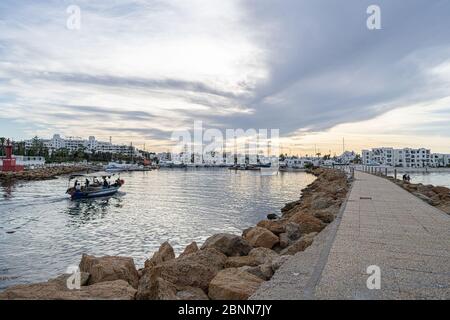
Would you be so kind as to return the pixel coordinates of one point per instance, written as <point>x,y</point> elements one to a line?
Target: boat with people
<point>93,185</point>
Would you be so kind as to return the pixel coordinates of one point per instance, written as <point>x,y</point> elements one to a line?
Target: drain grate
<point>365,198</point>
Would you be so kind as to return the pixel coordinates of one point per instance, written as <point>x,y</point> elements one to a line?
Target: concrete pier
<point>380,225</point>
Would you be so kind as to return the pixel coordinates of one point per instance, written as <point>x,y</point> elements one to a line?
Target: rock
<point>194,270</point>
<point>256,257</point>
<point>263,271</point>
<point>236,262</point>
<point>192,248</point>
<point>321,201</point>
<point>324,216</point>
<point>293,230</point>
<point>442,191</point>
<point>54,290</point>
<point>158,289</point>
<point>307,222</point>
<point>262,255</point>
<point>192,293</point>
<point>229,244</point>
<point>275,226</point>
<point>164,253</point>
<point>233,284</point>
<point>109,268</point>
<point>284,240</point>
<point>272,216</point>
<point>261,237</point>
<point>299,245</point>
<point>278,262</point>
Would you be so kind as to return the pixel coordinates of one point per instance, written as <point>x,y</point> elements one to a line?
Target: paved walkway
<point>382,225</point>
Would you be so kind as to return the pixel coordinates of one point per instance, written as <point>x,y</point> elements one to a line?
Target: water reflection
<point>181,206</point>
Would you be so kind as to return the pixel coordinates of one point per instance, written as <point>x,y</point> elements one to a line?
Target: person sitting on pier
<point>404,177</point>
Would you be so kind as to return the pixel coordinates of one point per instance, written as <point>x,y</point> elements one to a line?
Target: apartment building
<point>406,157</point>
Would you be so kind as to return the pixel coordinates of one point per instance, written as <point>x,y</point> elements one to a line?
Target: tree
<point>2,144</point>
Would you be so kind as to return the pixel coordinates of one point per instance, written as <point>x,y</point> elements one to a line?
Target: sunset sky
<point>137,70</point>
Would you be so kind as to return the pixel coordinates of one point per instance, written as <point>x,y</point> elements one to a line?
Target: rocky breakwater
<point>45,173</point>
<point>436,196</point>
<point>226,266</point>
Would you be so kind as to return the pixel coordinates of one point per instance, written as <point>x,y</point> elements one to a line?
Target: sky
<point>138,70</point>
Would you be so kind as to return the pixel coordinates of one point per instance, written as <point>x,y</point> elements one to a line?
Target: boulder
<point>54,290</point>
<point>157,289</point>
<point>191,248</point>
<point>442,191</point>
<point>293,231</point>
<point>263,271</point>
<point>307,222</point>
<point>326,216</point>
<point>233,284</point>
<point>275,226</point>
<point>256,257</point>
<point>284,240</point>
<point>278,262</point>
<point>262,255</point>
<point>164,253</point>
<point>272,216</point>
<point>299,245</point>
<point>194,270</point>
<point>261,237</point>
<point>109,268</point>
<point>236,262</point>
<point>229,244</point>
<point>192,293</point>
<point>321,201</point>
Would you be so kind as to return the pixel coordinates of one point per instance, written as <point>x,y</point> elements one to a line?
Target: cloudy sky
<point>137,70</point>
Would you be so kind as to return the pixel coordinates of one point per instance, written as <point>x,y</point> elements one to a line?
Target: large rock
<point>109,268</point>
<point>192,293</point>
<point>256,257</point>
<point>158,289</point>
<point>233,284</point>
<point>293,231</point>
<point>299,245</point>
<point>275,226</point>
<point>56,290</point>
<point>261,237</point>
<point>236,262</point>
<point>326,216</point>
<point>164,253</point>
<point>229,244</point>
<point>262,255</point>
<point>321,201</point>
<point>307,222</point>
<point>194,270</point>
<point>191,248</point>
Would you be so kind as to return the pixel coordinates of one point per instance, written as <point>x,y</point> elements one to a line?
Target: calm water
<point>42,232</point>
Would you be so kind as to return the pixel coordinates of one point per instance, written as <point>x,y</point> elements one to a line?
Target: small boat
<point>118,167</point>
<point>92,187</point>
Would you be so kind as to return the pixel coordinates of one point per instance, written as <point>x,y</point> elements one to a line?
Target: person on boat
<point>75,183</point>
<point>78,186</point>
<point>105,183</point>
<point>86,183</point>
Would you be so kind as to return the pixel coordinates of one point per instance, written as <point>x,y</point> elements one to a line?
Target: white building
<point>406,157</point>
<point>90,145</point>
<point>301,162</point>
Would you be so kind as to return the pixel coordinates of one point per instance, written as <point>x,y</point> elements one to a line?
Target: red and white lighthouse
<point>9,163</point>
